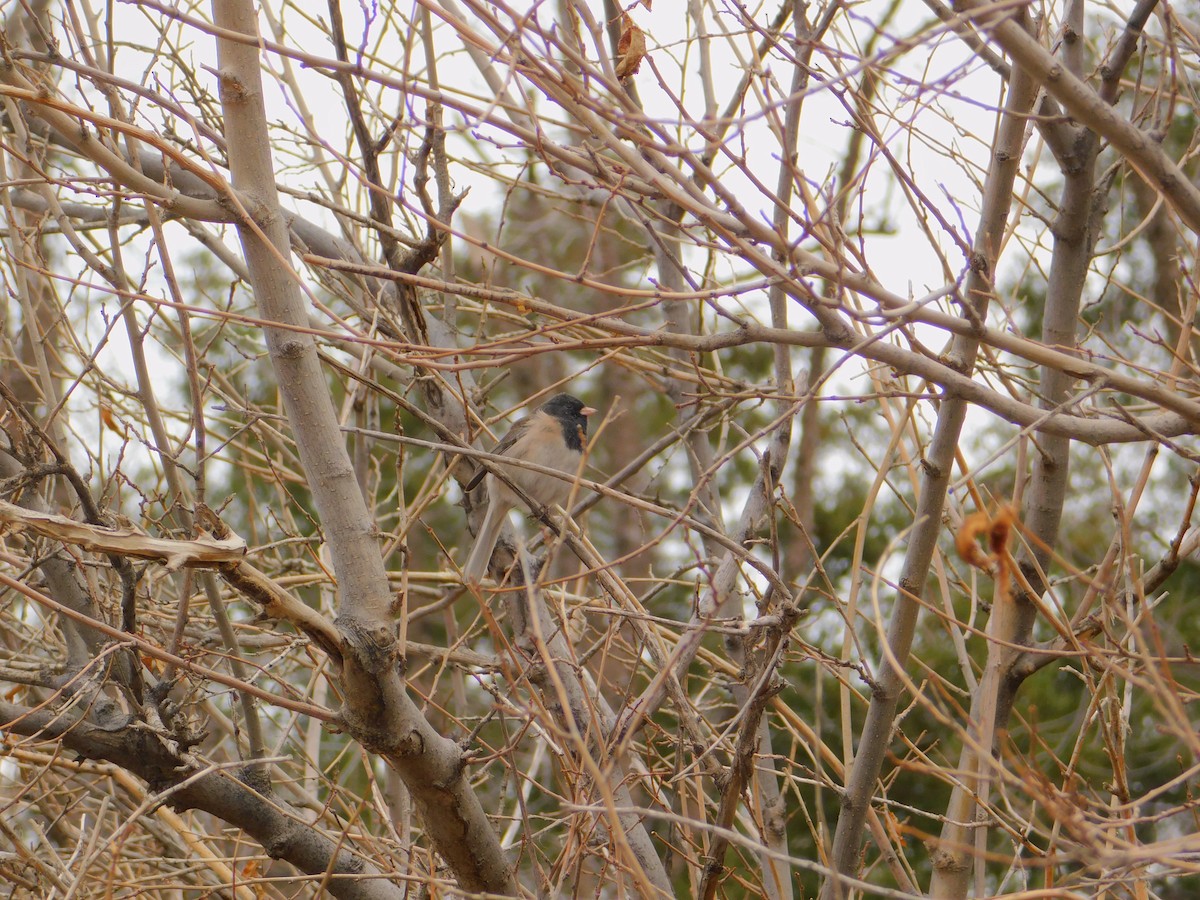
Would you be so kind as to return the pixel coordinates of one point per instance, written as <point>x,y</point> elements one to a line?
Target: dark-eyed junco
<point>551,437</point>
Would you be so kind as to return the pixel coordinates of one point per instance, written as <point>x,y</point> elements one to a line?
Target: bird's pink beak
<point>587,411</point>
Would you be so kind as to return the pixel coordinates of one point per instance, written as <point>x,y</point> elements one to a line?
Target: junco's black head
<point>571,412</point>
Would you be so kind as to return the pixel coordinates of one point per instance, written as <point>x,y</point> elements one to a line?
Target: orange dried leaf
<point>110,420</point>
<point>966,540</point>
<point>631,47</point>
<point>1001,527</point>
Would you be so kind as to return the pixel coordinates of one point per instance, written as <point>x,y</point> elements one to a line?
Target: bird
<point>552,437</point>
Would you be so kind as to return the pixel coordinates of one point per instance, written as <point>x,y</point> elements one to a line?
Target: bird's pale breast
<point>542,444</point>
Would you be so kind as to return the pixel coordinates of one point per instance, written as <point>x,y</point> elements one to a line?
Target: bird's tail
<point>485,543</point>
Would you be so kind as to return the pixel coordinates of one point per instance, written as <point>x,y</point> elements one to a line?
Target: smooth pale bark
<point>1076,229</point>
<point>378,711</point>
<point>876,733</point>
<point>950,859</point>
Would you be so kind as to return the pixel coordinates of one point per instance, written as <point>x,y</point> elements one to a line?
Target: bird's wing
<point>514,434</point>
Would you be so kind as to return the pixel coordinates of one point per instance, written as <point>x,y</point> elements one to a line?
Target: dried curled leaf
<point>966,540</point>
<point>631,47</point>
<point>996,528</point>
<point>1002,524</point>
<point>109,420</point>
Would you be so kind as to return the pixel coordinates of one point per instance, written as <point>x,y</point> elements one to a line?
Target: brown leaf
<point>1002,526</point>
<point>965,541</point>
<point>631,47</point>
<point>996,529</point>
<point>110,420</point>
